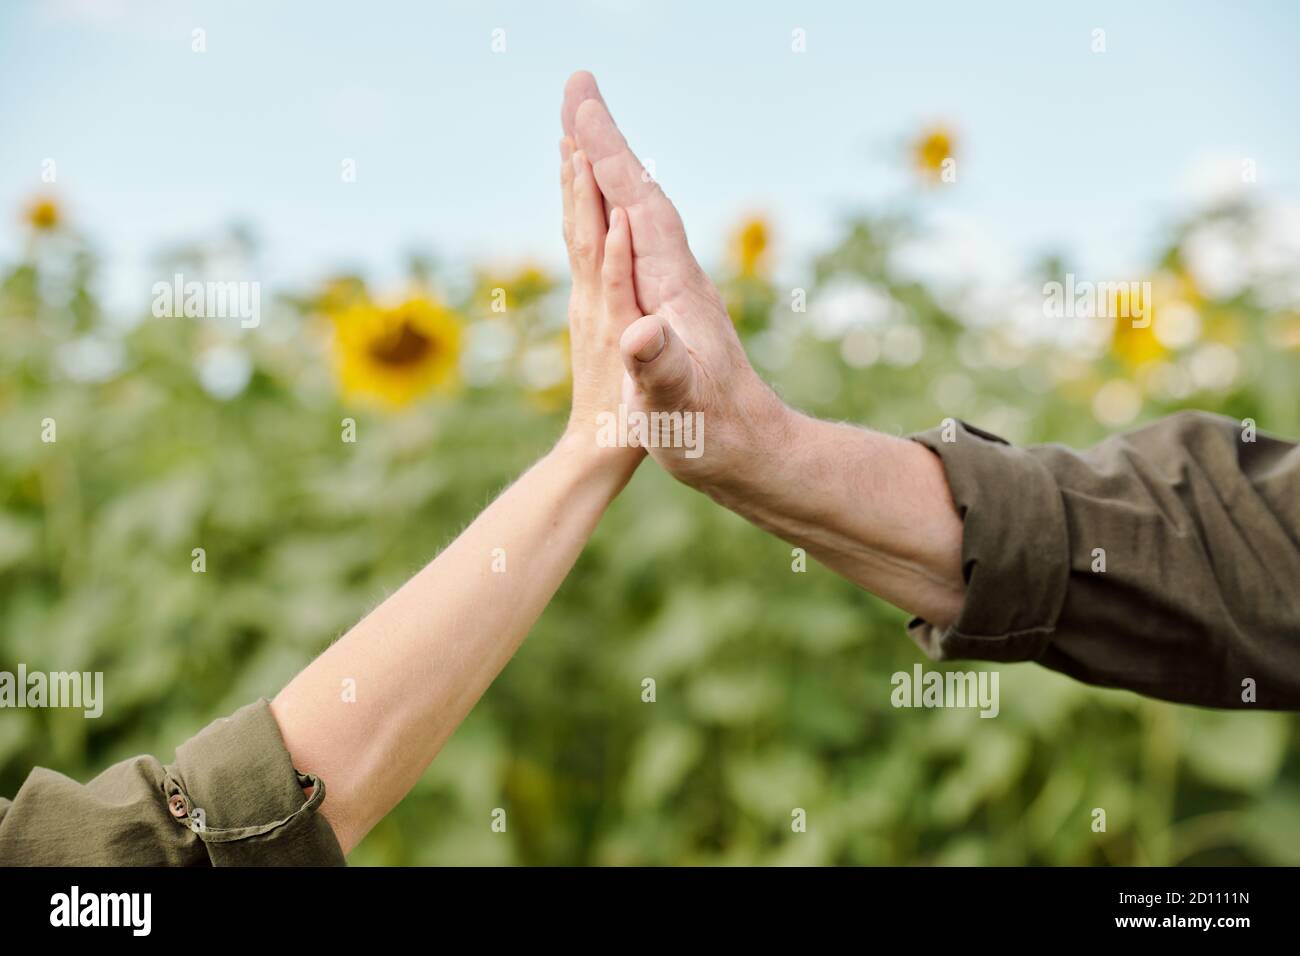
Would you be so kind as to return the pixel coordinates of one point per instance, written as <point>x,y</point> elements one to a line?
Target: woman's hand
<point>601,306</point>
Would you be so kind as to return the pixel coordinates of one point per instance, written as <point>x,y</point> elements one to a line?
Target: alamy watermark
<point>133,911</point>
<point>633,429</point>
<point>942,689</point>
<point>82,690</point>
<point>208,300</point>
<point>1107,300</point>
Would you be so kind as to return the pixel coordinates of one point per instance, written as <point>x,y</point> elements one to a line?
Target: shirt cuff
<point>234,786</point>
<point>1015,548</point>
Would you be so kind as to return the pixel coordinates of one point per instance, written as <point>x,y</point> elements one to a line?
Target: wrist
<point>605,470</point>
<point>755,456</point>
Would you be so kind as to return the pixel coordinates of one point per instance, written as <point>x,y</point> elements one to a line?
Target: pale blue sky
<point>455,145</point>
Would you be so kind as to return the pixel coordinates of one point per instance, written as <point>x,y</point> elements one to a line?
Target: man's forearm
<point>370,714</point>
<point>872,507</point>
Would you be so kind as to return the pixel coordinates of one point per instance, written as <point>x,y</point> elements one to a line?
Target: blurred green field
<point>773,687</point>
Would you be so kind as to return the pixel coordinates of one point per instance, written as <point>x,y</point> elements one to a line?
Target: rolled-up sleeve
<point>1165,560</point>
<point>231,797</point>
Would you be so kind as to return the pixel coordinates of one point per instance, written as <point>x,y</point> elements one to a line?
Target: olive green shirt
<point>231,798</point>
<point>1165,561</point>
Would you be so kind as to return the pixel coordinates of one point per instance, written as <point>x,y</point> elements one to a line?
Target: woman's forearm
<point>370,714</point>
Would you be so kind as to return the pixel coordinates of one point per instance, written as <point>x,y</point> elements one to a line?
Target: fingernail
<point>577,161</point>
<point>650,351</point>
<point>616,217</point>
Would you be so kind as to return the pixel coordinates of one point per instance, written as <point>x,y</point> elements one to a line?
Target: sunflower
<point>397,354</point>
<point>44,215</point>
<point>1133,338</point>
<point>930,151</point>
<point>749,248</point>
<point>748,293</point>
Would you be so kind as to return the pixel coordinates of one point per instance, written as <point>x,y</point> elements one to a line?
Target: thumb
<point>658,362</point>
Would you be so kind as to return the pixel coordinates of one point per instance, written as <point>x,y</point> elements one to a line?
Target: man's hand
<point>875,508</point>
<point>683,355</point>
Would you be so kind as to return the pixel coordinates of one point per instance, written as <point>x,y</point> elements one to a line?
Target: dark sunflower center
<point>403,346</point>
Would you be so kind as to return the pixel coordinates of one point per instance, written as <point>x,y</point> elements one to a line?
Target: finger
<point>597,135</point>
<point>580,87</point>
<point>657,361</point>
<point>625,182</point>
<point>616,271</point>
<point>566,187</point>
<point>587,247</point>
